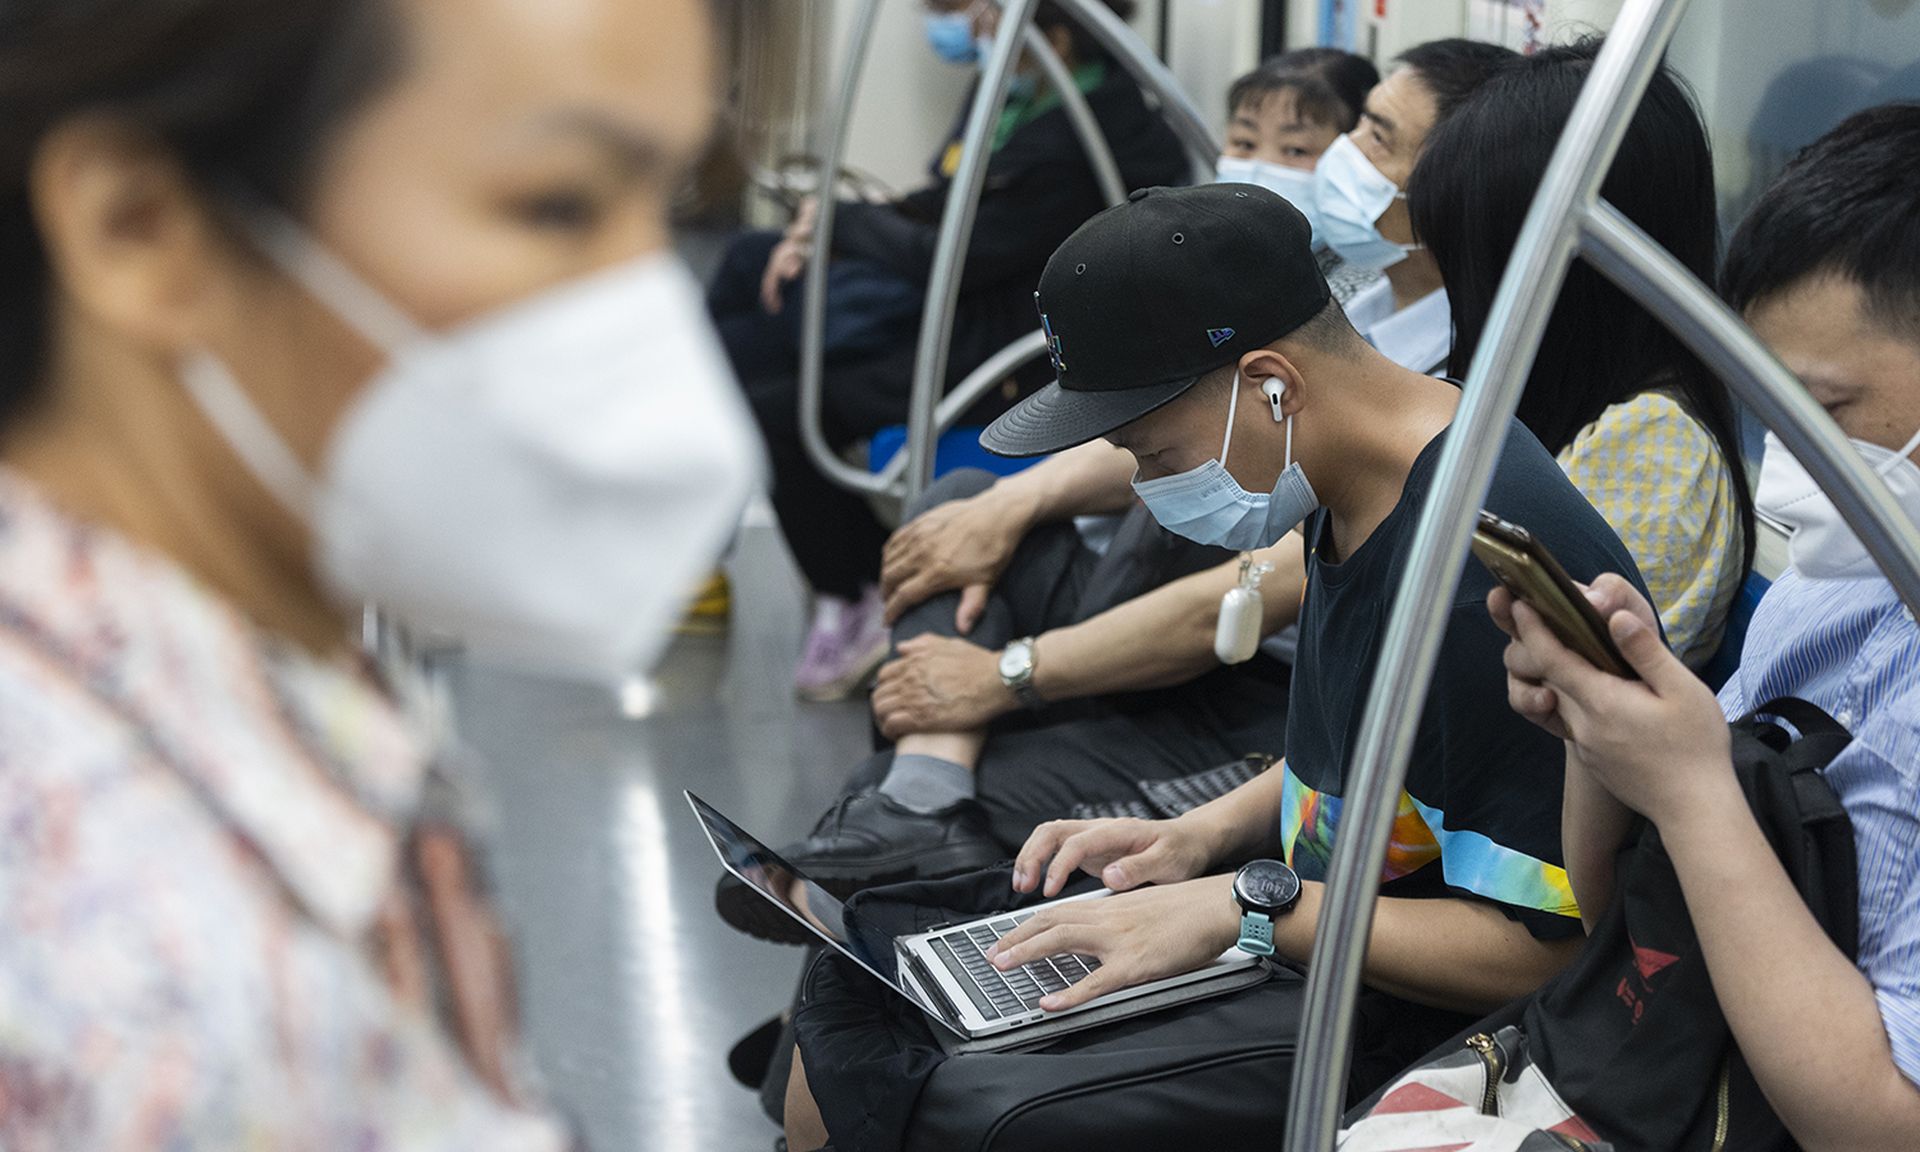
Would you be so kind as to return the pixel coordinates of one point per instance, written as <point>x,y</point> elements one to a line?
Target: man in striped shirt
<point>1827,271</point>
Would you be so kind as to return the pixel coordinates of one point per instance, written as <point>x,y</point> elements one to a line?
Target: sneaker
<point>845,647</point>
<point>711,609</point>
<point>864,841</point>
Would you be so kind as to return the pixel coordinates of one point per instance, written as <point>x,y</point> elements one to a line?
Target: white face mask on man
<point>1821,546</point>
<point>544,485</point>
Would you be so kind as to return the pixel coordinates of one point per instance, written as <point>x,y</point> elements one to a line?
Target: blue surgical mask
<point>1207,505</point>
<point>1294,185</point>
<point>1352,195</point>
<point>950,35</point>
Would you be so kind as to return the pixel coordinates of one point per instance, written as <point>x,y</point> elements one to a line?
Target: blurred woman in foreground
<point>303,306</point>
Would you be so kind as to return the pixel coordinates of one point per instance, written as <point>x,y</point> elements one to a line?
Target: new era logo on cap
<point>1219,336</point>
<point>1053,342</point>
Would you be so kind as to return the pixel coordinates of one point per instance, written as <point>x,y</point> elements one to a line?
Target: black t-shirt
<point>1481,812</point>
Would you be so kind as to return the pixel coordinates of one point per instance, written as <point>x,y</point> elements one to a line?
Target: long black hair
<point>241,91</point>
<point>1470,193</point>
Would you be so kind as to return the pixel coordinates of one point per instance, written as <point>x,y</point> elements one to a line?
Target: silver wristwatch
<point>1016,671</point>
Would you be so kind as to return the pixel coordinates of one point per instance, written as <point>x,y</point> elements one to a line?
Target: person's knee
<point>806,1131</point>
<point>959,484</point>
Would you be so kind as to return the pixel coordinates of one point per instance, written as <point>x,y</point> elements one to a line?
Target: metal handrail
<point>1649,273</point>
<point>1567,216</point>
<point>956,235</point>
<point>1124,45</point>
<point>813,314</point>
<point>968,392</point>
<point>1093,138</point>
<point>976,141</point>
<point>935,331</point>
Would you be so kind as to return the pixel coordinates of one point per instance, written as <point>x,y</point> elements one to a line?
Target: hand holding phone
<point>1524,566</point>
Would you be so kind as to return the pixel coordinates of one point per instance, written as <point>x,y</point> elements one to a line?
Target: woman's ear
<point>1279,381</point>
<point>128,240</point>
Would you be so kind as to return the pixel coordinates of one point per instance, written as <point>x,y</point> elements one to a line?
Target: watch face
<point>1010,664</point>
<point>1266,884</point>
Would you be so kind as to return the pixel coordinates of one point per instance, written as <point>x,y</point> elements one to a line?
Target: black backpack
<point>1630,1034</point>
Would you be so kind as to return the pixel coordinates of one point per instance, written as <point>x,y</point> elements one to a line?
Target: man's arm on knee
<point>967,543</point>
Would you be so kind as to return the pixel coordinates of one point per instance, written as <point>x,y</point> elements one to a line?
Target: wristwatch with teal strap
<point>1265,890</point>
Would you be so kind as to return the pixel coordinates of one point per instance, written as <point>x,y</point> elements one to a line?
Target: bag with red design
<point>1628,1045</point>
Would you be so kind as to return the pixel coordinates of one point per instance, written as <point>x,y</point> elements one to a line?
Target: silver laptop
<point>945,971</point>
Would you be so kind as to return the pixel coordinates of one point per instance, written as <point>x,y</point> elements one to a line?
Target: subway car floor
<point>632,989</point>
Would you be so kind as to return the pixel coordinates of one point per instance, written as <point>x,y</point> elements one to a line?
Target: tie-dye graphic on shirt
<point>1309,821</point>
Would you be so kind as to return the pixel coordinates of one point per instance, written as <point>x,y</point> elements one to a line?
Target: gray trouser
<point>1122,754</point>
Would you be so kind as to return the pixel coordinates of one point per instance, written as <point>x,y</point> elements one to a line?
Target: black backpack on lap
<point>1630,1035</point>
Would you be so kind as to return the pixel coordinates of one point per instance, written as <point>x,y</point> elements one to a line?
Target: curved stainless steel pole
<point>1649,273</point>
<point>1539,265</point>
<point>813,315</point>
<point>950,250</point>
<point>1113,190</point>
<point>1093,139</point>
<point>968,392</point>
<point>1120,40</point>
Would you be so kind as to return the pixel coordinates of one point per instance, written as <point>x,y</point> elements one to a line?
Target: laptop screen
<point>761,867</point>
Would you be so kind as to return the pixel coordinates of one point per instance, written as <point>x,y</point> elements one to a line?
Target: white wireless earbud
<point>1275,388</point>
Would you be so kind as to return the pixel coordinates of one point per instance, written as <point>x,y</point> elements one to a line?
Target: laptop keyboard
<point>999,994</point>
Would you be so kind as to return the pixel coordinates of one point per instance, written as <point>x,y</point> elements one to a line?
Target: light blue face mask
<point>1207,505</point>
<point>1352,195</point>
<point>950,35</point>
<point>1294,185</point>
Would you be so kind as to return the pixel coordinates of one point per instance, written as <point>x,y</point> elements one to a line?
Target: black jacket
<point>1039,188</point>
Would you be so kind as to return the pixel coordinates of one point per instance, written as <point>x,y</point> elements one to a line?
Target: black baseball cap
<point>1151,295</point>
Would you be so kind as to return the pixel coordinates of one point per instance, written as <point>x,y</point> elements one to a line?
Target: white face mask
<point>1821,546</point>
<point>545,485</point>
<point>1352,195</point>
<point>1291,184</point>
<point>1207,505</point>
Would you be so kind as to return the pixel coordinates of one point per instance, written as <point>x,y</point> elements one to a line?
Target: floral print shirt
<point>207,936</point>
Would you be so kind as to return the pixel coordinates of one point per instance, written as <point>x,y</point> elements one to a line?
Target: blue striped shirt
<point>1851,647</point>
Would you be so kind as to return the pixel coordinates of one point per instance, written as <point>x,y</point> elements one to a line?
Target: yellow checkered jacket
<point>1657,475</point>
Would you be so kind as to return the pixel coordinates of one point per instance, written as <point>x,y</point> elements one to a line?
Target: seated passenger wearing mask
<point>1039,187</point>
<point>1360,189</point>
<point>1826,268</point>
<point>1193,329</point>
<point>306,305</point>
<point>1145,697</point>
<point>1644,430</point>
<point>1282,117</point>
<point>1036,679</point>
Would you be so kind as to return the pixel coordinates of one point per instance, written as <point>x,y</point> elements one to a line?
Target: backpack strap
<point>1809,719</point>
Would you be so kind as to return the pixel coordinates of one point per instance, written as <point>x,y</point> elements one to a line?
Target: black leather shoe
<point>752,1055</point>
<point>863,841</point>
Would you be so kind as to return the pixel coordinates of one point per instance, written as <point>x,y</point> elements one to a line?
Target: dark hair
<point>1453,70</point>
<point>237,90</point>
<point>1329,86</point>
<point>1329,331</point>
<point>1848,206</point>
<point>1470,193</point>
<point>1086,47</point>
